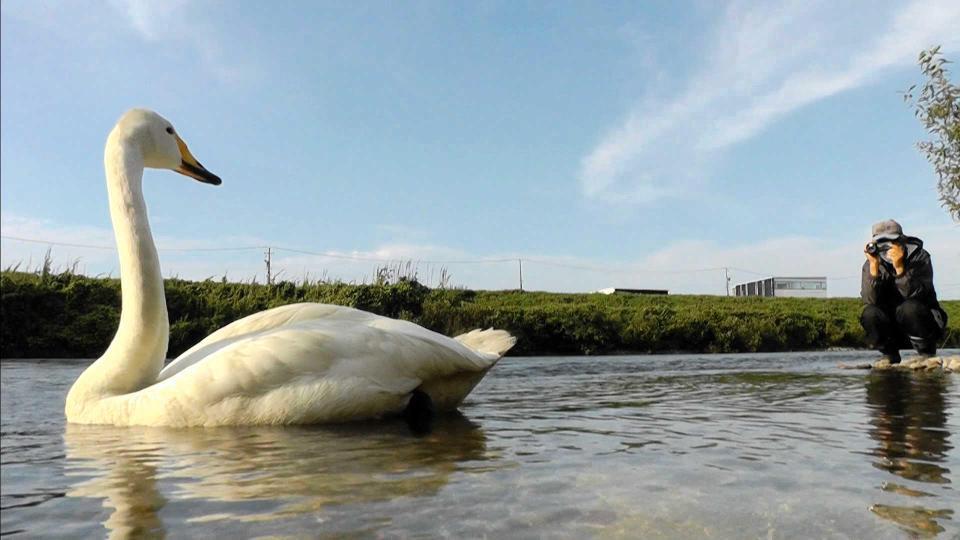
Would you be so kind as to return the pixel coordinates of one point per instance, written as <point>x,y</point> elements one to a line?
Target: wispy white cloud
<point>762,62</point>
<point>177,22</point>
<point>176,25</point>
<point>153,20</point>
<point>838,258</point>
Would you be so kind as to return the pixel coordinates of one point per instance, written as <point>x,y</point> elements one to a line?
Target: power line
<point>331,255</point>
<point>34,241</point>
<point>749,271</point>
<point>113,248</point>
<point>241,248</point>
<point>615,270</point>
<point>400,258</point>
<point>274,248</point>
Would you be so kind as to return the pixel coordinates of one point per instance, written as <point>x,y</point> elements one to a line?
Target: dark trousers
<point>910,324</point>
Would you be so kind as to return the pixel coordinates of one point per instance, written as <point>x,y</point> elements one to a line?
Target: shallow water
<point>687,446</point>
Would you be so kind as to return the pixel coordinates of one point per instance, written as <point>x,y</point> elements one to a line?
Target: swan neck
<point>140,344</point>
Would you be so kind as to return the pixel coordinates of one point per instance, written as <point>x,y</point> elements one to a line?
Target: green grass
<point>68,315</point>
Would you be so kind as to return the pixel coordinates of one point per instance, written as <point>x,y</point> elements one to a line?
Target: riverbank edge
<point>72,316</point>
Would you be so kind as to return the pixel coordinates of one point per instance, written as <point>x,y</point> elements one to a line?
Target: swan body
<point>295,364</point>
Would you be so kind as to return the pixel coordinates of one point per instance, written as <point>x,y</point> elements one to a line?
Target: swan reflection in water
<point>263,473</point>
<point>909,419</point>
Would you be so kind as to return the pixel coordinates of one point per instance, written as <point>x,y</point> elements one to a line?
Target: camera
<point>877,248</point>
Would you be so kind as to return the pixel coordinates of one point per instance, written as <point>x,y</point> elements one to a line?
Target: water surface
<point>686,446</point>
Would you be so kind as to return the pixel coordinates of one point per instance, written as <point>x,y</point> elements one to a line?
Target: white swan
<point>296,364</point>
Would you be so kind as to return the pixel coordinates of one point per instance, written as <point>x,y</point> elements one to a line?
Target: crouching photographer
<point>901,308</point>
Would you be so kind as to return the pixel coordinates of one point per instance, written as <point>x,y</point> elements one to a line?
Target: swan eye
<point>170,130</point>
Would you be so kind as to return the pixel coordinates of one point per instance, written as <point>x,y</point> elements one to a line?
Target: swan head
<point>160,144</point>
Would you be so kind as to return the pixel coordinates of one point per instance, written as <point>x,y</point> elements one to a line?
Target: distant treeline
<point>47,315</point>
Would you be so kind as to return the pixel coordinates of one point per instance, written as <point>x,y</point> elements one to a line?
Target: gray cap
<point>886,230</point>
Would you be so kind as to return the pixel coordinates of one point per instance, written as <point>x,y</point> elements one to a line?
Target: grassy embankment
<point>66,315</point>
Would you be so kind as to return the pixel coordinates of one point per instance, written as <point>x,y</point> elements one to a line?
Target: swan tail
<point>449,392</point>
<point>489,341</point>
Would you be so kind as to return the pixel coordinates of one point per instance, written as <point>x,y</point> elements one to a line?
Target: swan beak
<point>189,166</point>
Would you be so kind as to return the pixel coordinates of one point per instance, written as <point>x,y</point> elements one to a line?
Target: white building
<point>803,287</point>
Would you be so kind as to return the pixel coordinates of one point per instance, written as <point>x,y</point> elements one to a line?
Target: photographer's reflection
<point>909,422</point>
<point>296,469</point>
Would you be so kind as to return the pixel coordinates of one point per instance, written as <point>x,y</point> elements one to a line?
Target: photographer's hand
<point>874,263</point>
<point>895,252</point>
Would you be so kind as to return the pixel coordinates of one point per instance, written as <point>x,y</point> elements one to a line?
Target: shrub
<point>66,315</point>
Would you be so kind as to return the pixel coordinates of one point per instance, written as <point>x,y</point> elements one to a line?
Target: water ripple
<point>728,446</point>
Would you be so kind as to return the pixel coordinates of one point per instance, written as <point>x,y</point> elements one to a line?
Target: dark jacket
<point>888,291</point>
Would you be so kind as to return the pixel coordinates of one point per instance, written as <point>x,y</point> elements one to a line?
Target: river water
<point>684,446</point>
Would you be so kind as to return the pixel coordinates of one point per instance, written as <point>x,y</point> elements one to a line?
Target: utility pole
<point>520,262</point>
<point>726,274</point>
<point>267,260</point>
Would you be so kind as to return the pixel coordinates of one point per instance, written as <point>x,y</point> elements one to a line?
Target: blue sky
<point>607,144</point>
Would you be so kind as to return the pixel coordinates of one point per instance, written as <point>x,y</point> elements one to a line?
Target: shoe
<point>924,347</point>
<point>891,356</point>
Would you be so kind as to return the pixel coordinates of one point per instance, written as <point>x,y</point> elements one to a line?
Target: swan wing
<point>283,369</point>
<point>259,323</point>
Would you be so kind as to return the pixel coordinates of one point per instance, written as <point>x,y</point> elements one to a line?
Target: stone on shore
<point>946,363</point>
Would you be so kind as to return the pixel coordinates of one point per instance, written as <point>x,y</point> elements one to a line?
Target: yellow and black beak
<point>189,166</point>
